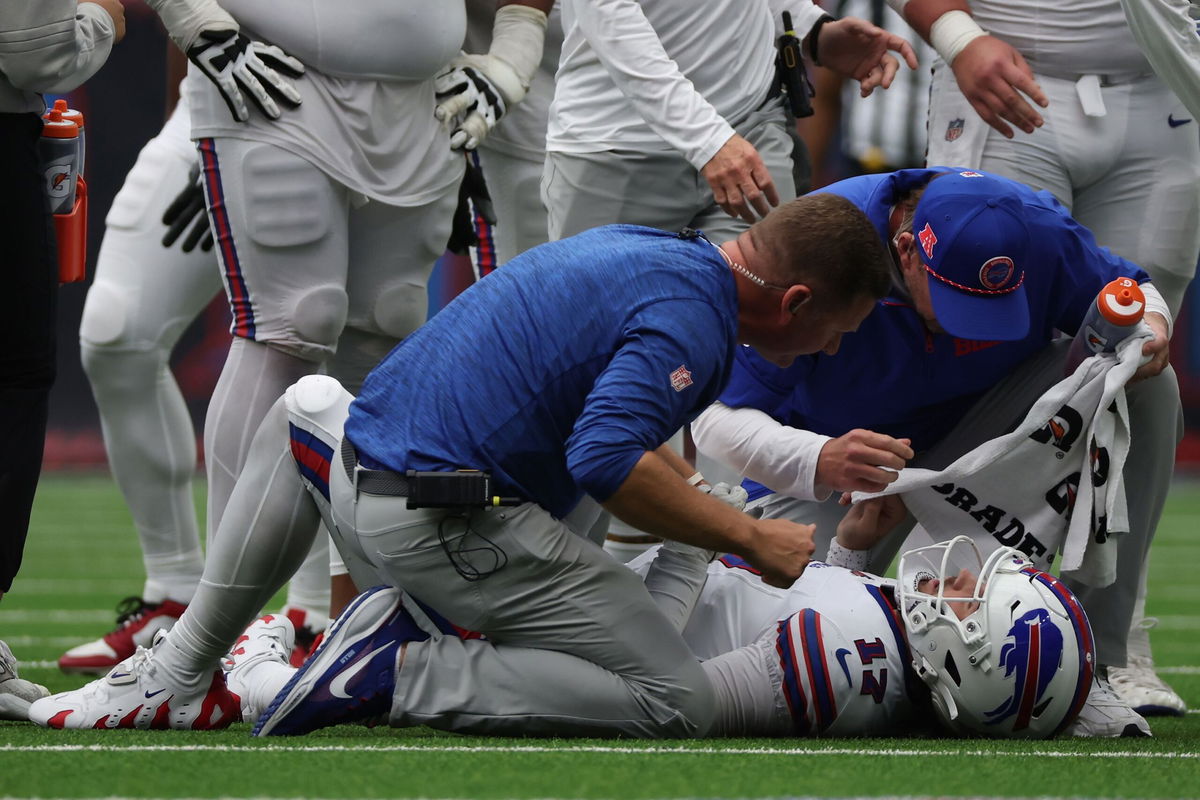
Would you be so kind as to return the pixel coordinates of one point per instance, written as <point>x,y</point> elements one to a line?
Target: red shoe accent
<point>162,717</point>
<point>59,719</point>
<point>220,708</point>
<point>133,615</point>
<point>127,720</point>
<point>121,639</point>
<point>102,723</point>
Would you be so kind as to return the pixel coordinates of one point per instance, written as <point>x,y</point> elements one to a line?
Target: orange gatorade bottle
<point>59,153</point>
<point>75,116</point>
<point>1111,319</point>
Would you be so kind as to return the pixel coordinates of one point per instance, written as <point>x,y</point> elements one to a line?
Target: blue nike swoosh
<point>1175,123</point>
<point>151,694</point>
<point>841,657</point>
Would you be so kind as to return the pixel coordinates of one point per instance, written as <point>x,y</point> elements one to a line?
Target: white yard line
<point>592,749</point>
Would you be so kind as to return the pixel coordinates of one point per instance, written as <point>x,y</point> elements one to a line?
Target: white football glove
<point>211,39</point>
<point>473,93</point>
<point>240,67</point>
<point>734,496</point>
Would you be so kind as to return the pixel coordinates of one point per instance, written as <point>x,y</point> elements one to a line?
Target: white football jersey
<point>842,659</point>
<point>1065,37</point>
<point>376,137</point>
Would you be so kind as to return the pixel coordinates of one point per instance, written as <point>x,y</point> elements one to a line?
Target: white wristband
<point>185,20</point>
<point>952,32</point>
<point>845,557</point>
<point>1157,303</point>
<point>695,480</point>
<point>518,37</point>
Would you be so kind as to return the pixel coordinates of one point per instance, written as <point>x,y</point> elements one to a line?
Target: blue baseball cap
<point>970,231</point>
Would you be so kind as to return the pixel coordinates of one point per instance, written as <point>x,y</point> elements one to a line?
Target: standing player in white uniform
<point>328,222</point>
<point>1113,144</point>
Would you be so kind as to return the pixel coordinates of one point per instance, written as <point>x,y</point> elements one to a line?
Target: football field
<point>83,557</point>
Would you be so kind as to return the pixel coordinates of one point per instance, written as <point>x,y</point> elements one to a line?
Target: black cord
<point>460,555</point>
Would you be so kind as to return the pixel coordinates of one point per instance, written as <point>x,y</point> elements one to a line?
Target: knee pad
<point>318,404</point>
<point>401,308</point>
<point>105,316</point>
<point>319,314</point>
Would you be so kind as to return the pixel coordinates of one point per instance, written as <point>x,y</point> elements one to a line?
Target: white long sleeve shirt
<point>652,75</point>
<point>49,46</point>
<point>779,457</point>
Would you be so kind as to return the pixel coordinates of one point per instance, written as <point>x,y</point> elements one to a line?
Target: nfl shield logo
<point>681,378</point>
<point>954,129</point>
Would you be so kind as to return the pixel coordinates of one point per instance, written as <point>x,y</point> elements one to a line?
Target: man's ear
<point>795,297</point>
<point>906,249</point>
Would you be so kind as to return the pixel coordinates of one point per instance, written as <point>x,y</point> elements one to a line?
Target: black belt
<point>372,481</point>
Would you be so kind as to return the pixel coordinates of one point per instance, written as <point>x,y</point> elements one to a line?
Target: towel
<point>1053,485</point>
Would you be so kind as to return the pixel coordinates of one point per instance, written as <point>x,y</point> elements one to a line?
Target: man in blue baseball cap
<point>986,274</point>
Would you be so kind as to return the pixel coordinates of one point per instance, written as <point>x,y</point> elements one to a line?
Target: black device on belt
<point>792,76</point>
<point>466,488</point>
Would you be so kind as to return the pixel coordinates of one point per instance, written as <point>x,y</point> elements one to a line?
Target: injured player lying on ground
<point>988,647</point>
<point>840,653</point>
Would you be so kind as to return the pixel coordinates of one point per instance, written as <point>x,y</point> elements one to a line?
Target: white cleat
<point>1138,684</point>
<point>1105,715</point>
<point>133,695</point>
<point>269,640</point>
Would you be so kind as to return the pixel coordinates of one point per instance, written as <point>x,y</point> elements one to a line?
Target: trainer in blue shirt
<point>985,273</point>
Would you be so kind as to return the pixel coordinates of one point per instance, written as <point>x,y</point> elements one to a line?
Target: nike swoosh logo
<point>1175,123</point>
<point>152,694</point>
<point>841,654</point>
<point>338,687</point>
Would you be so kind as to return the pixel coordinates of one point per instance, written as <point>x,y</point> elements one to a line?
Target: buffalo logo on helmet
<point>681,378</point>
<point>1030,656</point>
<point>955,129</point>
<point>928,239</point>
<point>996,272</point>
<point>970,174</point>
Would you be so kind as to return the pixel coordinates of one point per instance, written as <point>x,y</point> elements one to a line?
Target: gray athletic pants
<point>659,189</point>
<point>1156,426</point>
<point>575,644</point>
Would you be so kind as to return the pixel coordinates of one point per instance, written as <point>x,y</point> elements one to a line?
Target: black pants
<point>27,303</point>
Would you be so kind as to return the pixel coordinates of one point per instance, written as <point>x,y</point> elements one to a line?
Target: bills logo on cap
<point>971,174</point>
<point>928,240</point>
<point>954,129</point>
<point>681,378</point>
<point>996,272</point>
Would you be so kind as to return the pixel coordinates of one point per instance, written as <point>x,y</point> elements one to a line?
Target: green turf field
<point>83,557</point>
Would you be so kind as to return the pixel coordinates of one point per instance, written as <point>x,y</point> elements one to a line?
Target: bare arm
<point>656,498</point>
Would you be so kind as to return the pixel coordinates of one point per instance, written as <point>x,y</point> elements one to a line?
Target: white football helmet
<point>1019,665</point>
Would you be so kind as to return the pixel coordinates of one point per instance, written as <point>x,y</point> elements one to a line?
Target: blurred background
<point>124,106</point>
